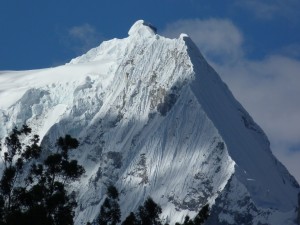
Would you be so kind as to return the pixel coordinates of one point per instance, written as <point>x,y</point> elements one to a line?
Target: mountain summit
<point>154,119</point>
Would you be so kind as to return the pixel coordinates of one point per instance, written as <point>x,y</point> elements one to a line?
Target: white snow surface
<point>156,120</point>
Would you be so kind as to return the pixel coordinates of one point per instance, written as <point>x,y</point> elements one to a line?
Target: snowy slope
<point>154,119</point>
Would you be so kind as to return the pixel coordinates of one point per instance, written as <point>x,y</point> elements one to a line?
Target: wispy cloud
<point>292,50</point>
<point>270,9</point>
<point>82,38</point>
<point>268,88</point>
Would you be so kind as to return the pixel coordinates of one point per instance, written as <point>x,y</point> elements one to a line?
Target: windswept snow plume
<point>156,120</point>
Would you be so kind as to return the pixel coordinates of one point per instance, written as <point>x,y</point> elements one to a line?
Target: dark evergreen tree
<point>112,192</point>
<point>202,216</point>
<point>188,221</point>
<point>149,213</point>
<point>110,213</point>
<point>130,220</point>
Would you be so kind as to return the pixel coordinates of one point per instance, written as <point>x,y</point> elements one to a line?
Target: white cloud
<point>292,50</point>
<point>269,89</point>
<point>270,9</point>
<point>291,159</point>
<point>83,37</point>
<point>219,39</point>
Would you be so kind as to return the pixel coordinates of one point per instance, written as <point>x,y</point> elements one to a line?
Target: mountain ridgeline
<point>153,118</point>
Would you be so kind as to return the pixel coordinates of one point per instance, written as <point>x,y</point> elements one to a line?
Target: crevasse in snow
<point>156,120</point>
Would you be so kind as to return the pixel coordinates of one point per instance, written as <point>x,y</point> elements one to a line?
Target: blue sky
<point>32,28</point>
<point>253,44</point>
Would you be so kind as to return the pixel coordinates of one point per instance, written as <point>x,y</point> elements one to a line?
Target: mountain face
<point>156,120</point>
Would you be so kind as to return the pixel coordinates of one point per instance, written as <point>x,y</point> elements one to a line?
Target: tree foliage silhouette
<point>42,197</point>
<point>149,213</point>
<point>200,218</point>
<point>110,213</point>
<point>130,220</point>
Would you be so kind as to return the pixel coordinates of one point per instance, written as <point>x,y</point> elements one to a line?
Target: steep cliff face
<point>154,119</point>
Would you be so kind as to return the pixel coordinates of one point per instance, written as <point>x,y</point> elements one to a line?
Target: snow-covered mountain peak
<point>183,35</point>
<point>142,28</point>
<point>154,118</point>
